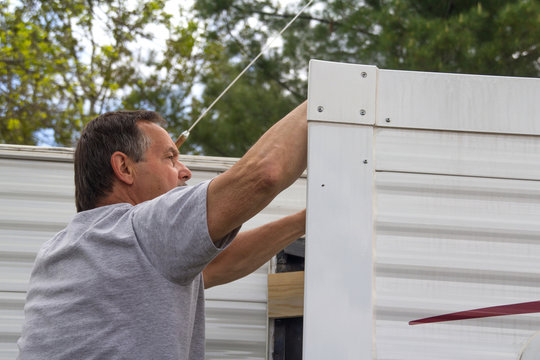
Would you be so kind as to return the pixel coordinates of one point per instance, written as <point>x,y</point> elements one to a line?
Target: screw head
<point>362,112</point>
<point>320,109</point>
<point>364,74</point>
<point>365,161</point>
<point>387,120</point>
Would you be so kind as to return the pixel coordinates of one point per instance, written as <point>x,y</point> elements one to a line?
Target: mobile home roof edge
<point>61,154</point>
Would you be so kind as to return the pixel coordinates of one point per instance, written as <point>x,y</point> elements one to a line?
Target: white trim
<point>338,315</point>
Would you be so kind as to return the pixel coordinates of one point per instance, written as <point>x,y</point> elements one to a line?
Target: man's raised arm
<point>276,160</point>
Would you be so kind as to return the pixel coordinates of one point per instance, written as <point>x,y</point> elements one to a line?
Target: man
<point>125,278</point>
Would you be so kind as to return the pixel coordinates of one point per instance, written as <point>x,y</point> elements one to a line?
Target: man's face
<point>160,171</point>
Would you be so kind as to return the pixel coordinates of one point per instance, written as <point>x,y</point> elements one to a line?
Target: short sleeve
<point>172,231</point>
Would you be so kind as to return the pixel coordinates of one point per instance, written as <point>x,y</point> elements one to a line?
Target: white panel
<point>454,153</point>
<point>447,244</point>
<point>444,243</point>
<point>11,320</point>
<point>341,92</point>
<point>531,350</point>
<point>477,103</point>
<point>253,288</point>
<point>235,330</point>
<point>37,200</point>
<point>338,319</point>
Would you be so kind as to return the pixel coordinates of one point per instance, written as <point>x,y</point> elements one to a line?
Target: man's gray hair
<point>106,134</point>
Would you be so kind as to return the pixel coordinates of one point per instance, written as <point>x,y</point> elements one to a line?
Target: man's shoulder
<point>103,217</point>
<point>184,196</point>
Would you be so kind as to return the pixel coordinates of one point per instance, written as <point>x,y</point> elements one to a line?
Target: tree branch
<point>270,76</point>
<point>331,23</point>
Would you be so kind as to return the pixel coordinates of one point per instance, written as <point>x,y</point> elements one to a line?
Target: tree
<point>62,62</point>
<point>28,65</point>
<point>57,73</point>
<point>478,37</point>
<point>248,109</point>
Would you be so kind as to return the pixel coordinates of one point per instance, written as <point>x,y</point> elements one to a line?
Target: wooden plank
<point>286,294</point>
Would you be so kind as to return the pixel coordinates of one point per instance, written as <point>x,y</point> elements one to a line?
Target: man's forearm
<point>271,165</point>
<point>251,249</point>
<point>286,144</point>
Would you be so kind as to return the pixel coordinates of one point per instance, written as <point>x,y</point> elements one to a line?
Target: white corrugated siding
<point>36,201</point>
<point>456,229</point>
<point>445,240</point>
<point>455,175</point>
<point>446,244</point>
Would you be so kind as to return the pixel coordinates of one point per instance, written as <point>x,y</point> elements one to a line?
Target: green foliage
<point>57,73</point>
<point>242,115</point>
<point>497,37</point>
<point>25,74</point>
<point>479,37</point>
<point>168,89</point>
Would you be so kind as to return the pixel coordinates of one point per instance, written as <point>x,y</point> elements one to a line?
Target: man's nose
<point>184,173</point>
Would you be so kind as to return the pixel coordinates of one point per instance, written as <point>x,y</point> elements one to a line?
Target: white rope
<point>246,68</point>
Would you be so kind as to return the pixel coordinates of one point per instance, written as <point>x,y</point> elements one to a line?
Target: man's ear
<point>123,167</point>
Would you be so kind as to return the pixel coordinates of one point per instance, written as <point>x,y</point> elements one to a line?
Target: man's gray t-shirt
<point>123,282</point>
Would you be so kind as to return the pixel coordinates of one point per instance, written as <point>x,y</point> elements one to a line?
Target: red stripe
<point>513,309</point>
